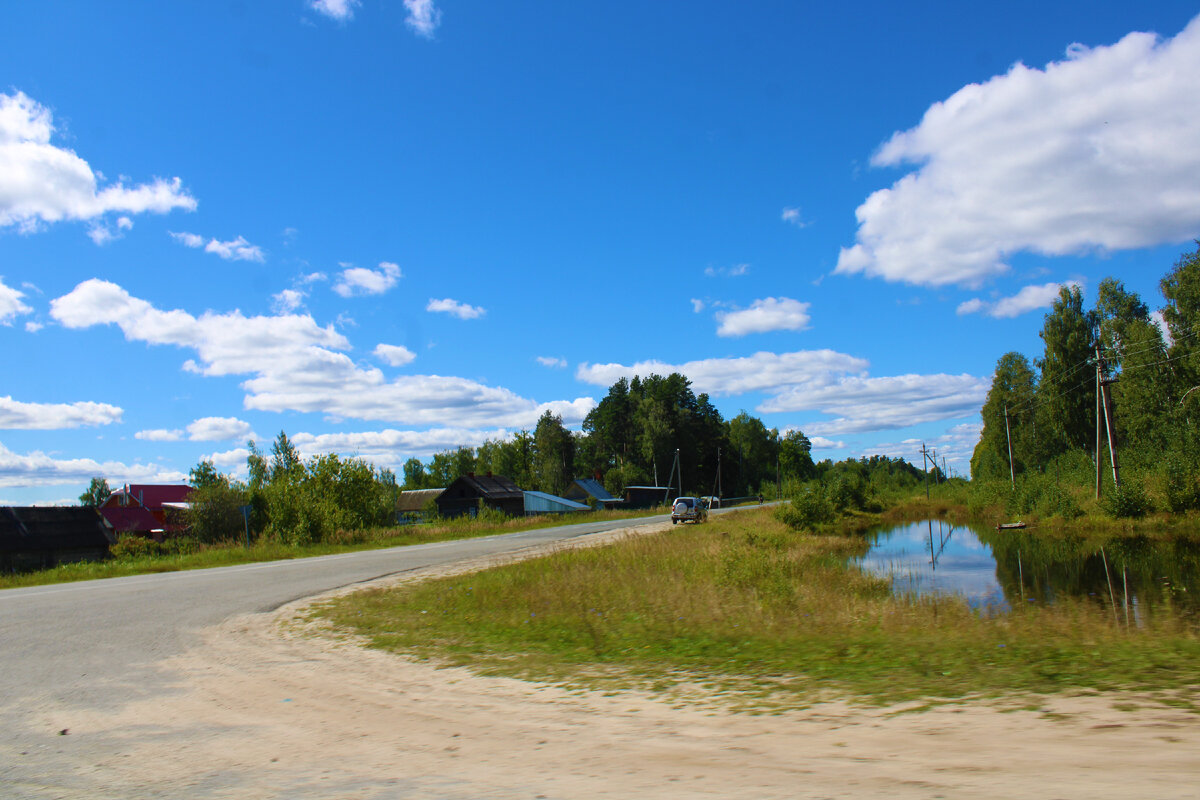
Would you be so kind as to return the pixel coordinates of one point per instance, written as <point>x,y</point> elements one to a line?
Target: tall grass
<point>750,608</point>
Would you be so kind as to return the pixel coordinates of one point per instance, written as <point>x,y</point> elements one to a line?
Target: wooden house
<point>470,492</point>
<point>147,509</point>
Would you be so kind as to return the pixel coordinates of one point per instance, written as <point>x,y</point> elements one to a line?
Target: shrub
<point>1128,501</point>
<point>808,508</point>
<point>1180,485</point>
<point>131,546</point>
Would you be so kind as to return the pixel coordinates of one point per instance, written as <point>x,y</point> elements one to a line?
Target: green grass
<point>746,610</point>
<point>224,554</point>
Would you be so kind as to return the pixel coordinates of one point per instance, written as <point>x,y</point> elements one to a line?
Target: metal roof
<point>541,501</point>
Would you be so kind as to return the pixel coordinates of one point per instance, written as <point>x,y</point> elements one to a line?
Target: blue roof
<point>541,501</point>
<point>594,488</point>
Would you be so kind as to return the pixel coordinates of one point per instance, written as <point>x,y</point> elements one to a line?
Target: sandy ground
<point>268,707</point>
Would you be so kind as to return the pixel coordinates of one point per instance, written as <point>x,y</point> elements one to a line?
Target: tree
<point>205,474</point>
<point>1066,390</point>
<point>414,474</point>
<point>795,456</point>
<point>97,492</point>
<point>1013,388</point>
<point>554,449</point>
<point>285,460</point>
<point>1181,289</point>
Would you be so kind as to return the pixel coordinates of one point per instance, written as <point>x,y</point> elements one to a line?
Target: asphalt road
<point>97,644</point>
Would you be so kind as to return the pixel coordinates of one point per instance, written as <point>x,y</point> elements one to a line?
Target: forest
<point>1113,394</point>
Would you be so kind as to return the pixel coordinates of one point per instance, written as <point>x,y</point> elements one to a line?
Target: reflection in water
<point>996,570</point>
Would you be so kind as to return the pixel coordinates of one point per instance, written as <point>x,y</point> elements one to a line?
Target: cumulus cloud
<point>229,458</point>
<point>697,305</point>
<point>821,443</point>
<point>340,10</point>
<point>1098,151</point>
<point>1028,299</point>
<point>360,280</point>
<point>392,446</point>
<point>551,361</point>
<point>293,364</point>
<point>36,468</point>
<point>11,306</point>
<point>819,380</point>
<point>861,404</point>
<point>234,250</point>
<point>43,183</point>
<point>763,316</point>
<point>460,310</point>
<point>394,355</point>
<point>219,429</point>
<point>15,415</point>
<point>423,17</point>
<point>287,301</point>
<point>159,435</point>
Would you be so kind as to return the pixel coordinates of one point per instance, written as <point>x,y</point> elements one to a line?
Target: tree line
<point>630,439</point>
<point>1047,408</point>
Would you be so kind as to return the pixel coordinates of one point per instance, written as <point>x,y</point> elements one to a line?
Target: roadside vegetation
<point>747,610</point>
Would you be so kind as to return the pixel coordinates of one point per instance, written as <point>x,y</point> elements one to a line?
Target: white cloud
<point>159,435</point>
<point>234,250</point>
<point>763,316</point>
<point>736,271</point>
<point>821,443</point>
<point>287,301</point>
<point>956,445</point>
<point>394,355</point>
<point>229,458</point>
<point>862,404</point>
<point>43,183</point>
<point>1028,299</point>
<point>819,380</point>
<point>460,310</point>
<point>219,429</point>
<point>341,10</point>
<point>720,377</point>
<point>552,362</point>
<point>33,327</point>
<point>295,365</point>
<point>36,468</point>
<point>423,17</point>
<point>697,306</point>
<point>792,217</point>
<point>11,306</point>
<point>15,415</point>
<point>1099,151</point>
<point>360,280</point>
<point>393,447</point>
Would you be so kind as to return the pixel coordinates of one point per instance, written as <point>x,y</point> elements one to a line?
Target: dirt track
<point>267,708</point>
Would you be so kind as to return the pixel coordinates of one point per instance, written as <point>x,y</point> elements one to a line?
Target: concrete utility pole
<point>1102,399</point>
<point>1097,417</point>
<point>1012,476</point>
<point>925,468</point>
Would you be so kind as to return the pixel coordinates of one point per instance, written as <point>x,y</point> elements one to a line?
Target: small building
<point>470,492</point>
<point>542,503</point>
<point>412,504</point>
<point>646,496</point>
<point>591,491</point>
<point>147,509</point>
<point>39,537</point>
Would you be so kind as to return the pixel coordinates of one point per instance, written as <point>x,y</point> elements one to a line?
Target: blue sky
<point>392,227</point>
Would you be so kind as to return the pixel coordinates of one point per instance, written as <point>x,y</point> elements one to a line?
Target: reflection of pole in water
<point>1020,576</point>
<point>1112,600</point>
<point>1125,581</point>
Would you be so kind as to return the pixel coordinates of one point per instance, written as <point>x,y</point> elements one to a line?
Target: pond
<point>997,570</point>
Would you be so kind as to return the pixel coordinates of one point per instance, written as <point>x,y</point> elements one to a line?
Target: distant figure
<point>760,499</point>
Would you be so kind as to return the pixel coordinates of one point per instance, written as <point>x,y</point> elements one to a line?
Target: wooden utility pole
<point>1103,399</point>
<point>1097,416</point>
<point>1012,476</point>
<point>925,468</point>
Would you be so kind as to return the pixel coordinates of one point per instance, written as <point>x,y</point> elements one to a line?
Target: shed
<point>468,493</point>
<point>646,496</point>
<point>543,503</point>
<point>37,537</point>
<point>410,505</point>
<point>585,489</point>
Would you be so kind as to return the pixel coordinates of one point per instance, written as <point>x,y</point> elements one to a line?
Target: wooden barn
<point>411,504</point>
<point>470,492</point>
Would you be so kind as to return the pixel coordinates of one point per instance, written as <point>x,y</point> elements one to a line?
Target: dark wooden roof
<point>491,487</point>
<point>27,528</point>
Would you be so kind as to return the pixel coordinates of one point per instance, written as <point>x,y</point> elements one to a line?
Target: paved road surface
<point>96,644</point>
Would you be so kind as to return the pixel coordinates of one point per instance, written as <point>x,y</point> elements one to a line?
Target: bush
<point>130,546</point>
<point>1180,485</point>
<point>1128,502</point>
<point>808,508</point>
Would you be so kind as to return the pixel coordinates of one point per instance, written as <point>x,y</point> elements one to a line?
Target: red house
<point>145,508</point>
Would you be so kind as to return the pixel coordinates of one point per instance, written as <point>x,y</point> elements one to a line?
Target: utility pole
<point>1012,476</point>
<point>1097,415</point>
<point>925,469</point>
<point>1108,423</point>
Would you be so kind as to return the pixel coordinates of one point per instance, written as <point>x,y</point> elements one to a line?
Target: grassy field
<point>761,617</point>
<point>222,554</point>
